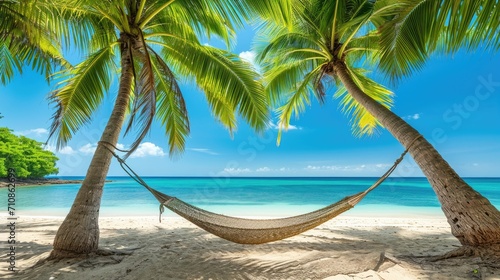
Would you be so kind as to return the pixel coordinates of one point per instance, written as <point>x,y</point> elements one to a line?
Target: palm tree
<point>328,40</point>
<point>29,33</point>
<point>155,42</point>
<point>419,29</point>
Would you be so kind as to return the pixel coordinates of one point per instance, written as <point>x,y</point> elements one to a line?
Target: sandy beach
<point>343,248</point>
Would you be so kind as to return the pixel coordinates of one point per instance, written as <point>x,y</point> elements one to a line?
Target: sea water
<point>251,197</point>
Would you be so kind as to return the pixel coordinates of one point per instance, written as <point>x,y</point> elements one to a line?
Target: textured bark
<point>473,219</point>
<point>79,232</point>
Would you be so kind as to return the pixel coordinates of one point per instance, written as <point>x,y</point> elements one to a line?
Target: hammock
<point>253,231</point>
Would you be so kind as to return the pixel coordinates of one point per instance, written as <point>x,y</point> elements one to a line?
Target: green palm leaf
<point>81,91</point>
<point>223,74</point>
<point>422,27</point>
<point>144,100</point>
<point>230,85</point>
<point>363,123</point>
<point>297,100</point>
<point>9,64</point>
<point>171,110</point>
<point>25,31</point>
<point>299,62</point>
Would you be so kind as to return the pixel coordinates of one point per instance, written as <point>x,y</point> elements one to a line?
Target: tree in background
<point>26,156</point>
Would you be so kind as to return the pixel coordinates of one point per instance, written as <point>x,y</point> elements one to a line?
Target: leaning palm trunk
<point>79,232</point>
<point>473,219</point>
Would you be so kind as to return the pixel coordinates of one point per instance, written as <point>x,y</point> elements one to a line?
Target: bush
<point>26,156</point>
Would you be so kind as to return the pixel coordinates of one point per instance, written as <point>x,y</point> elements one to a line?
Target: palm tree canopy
<point>28,36</point>
<point>163,40</point>
<point>424,26</point>
<point>298,61</point>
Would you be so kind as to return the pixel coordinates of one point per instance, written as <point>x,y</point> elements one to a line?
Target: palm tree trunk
<point>473,219</point>
<point>79,232</point>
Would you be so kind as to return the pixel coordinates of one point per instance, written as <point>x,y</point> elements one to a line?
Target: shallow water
<point>250,196</point>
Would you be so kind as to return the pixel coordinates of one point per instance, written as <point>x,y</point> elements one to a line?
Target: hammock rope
<point>253,231</point>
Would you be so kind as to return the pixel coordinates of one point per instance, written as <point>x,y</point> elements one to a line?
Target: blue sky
<point>454,102</point>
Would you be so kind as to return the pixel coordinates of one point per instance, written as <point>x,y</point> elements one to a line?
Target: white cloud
<point>348,168</point>
<point>37,132</point>
<point>148,149</point>
<point>413,117</point>
<point>233,170</point>
<point>272,125</point>
<point>311,167</point>
<point>144,149</point>
<point>64,151</point>
<point>325,167</point>
<point>88,149</point>
<point>263,169</point>
<point>120,146</point>
<point>67,150</point>
<point>248,56</point>
<point>204,151</point>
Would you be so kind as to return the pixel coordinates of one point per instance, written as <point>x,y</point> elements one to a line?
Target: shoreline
<point>262,212</point>
<point>38,182</point>
<point>41,182</point>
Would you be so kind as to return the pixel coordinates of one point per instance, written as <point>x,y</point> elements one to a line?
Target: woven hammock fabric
<point>256,231</point>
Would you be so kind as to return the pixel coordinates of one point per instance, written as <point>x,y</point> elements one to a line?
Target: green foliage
<point>298,61</point>
<point>29,36</point>
<point>162,40</point>
<point>424,26</point>
<point>25,156</point>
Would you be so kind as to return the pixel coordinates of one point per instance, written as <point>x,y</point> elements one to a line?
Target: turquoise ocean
<point>252,197</point>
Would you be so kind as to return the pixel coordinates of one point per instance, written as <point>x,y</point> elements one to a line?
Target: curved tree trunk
<point>473,219</point>
<point>79,232</point>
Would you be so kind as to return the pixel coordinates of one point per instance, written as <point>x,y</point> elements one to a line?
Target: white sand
<point>344,248</point>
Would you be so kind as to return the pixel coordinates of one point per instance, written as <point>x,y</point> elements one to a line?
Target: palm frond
<point>103,36</point>
<point>422,27</point>
<point>486,26</point>
<point>364,49</point>
<point>80,92</point>
<point>25,31</point>
<point>9,64</point>
<point>296,100</point>
<point>170,27</point>
<point>404,40</point>
<point>287,58</point>
<point>280,12</point>
<point>171,110</point>
<point>144,108</point>
<point>292,42</point>
<point>206,17</point>
<point>284,76</point>
<point>222,73</point>
<point>363,123</point>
